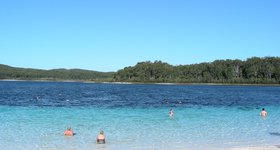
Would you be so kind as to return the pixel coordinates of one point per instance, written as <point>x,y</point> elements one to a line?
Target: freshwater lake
<point>34,115</point>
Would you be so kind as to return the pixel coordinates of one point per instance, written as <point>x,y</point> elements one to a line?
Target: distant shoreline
<point>252,71</point>
<point>155,83</point>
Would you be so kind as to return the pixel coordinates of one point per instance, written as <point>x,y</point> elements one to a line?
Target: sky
<point>108,35</point>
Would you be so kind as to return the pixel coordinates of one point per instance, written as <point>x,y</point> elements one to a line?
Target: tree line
<point>255,70</point>
<point>7,72</point>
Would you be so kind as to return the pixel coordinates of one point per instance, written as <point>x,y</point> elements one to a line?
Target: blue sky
<point>107,35</point>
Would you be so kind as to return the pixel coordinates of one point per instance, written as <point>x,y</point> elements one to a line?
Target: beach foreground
<point>257,148</point>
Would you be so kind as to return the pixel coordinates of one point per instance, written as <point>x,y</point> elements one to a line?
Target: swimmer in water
<point>171,113</point>
<point>68,132</point>
<point>100,139</point>
<point>263,113</point>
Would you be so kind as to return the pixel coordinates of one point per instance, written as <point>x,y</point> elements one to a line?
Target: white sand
<point>257,148</point>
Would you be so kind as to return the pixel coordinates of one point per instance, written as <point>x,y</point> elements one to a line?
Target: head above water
<point>263,109</point>
<point>69,128</point>
<point>102,132</point>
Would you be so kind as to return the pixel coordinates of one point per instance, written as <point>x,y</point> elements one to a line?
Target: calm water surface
<point>34,115</point>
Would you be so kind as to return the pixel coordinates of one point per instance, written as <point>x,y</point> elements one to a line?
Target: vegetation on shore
<point>7,72</point>
<point>254,70</point>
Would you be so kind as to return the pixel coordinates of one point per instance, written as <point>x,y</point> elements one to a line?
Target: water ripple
<point>116,95</point>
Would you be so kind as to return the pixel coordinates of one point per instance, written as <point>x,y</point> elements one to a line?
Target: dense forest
<point>7,72</point>
<point>254,70</point>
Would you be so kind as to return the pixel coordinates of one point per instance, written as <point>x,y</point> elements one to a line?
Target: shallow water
<point>34,115</point>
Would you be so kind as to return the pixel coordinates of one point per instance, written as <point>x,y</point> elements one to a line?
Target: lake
<point>34,115</point>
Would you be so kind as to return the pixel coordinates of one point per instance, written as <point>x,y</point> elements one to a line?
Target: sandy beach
<point>256,148</point>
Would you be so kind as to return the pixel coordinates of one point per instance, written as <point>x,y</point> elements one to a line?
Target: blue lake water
<point>34,115</point>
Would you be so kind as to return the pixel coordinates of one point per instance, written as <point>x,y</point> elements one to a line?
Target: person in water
<point>263,113</point>
<point>68,132</point>
<point>100,139</point>
<point>171,113</point>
